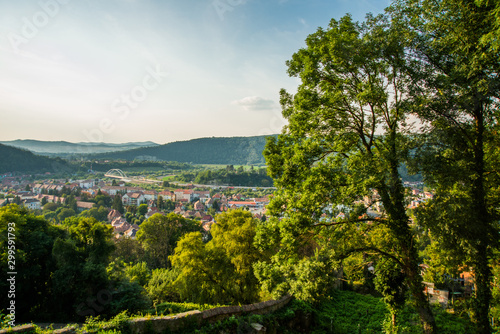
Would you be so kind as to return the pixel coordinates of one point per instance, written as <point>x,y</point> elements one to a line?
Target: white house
<point>133,198</point>
<point>150,195</point>
<point>32,204</point>
<point>183,194</point>
<point>86,184</point>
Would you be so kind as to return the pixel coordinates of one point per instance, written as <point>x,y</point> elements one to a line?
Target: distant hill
<point>64,147</point>
<point>17,160</point>
<point>215,150</point>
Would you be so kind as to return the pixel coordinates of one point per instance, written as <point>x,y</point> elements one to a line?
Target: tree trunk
<point>482,235</point>
<point>421,302</point>
<point>482,275</point>
<point>393,199</point>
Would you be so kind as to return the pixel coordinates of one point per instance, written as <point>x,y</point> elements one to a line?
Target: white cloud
<point>254,103</point>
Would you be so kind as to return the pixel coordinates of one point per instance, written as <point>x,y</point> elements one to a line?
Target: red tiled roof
<point>84,205</point>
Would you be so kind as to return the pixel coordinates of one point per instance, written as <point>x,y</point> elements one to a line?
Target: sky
<point>148,70</point>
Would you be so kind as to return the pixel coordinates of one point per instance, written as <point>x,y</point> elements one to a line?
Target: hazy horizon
<point>116,143</point>
<point>145,70</point>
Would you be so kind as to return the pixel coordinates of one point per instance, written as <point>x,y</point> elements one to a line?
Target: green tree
<point>71,202</point>
<point>50,216</point>
<point>331,153</point>
<point>160,203</point>
<point>103,200</point>
<point>142,209</point>
<point>160,287</point>
<point>32,239</point>
<point>127,281</point>
<point>454,71</point>
<point>159,235</point>
<point>100,214</point>
<point>169,205</point>
<point>65,213</point>
<point>82,258</point>
<point>220,271</point>
<point>138,272</point>
<point>128,250</point>
<point>132,209</point>
<point>50,206</point>
<point>216,206</point>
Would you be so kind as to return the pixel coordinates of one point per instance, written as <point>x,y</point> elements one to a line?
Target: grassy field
<point>245,167</point>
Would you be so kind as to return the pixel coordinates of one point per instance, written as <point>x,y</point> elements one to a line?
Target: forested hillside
<point>17,160</point>
<point>226,151</point>
<point>62,148</point>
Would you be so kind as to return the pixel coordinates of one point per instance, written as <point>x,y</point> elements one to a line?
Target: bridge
<point>116,173</point>
<point>119,174</point>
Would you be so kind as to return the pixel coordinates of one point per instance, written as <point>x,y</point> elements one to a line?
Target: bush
<point>159,287</point>
<point>349,312</point>
<point>174,308</point>
<point>118,324</point>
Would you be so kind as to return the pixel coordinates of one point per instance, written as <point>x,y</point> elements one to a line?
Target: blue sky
<point>140,70</point>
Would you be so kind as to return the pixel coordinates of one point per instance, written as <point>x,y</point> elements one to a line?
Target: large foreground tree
<point>455,88</point>
<point>345,140</point>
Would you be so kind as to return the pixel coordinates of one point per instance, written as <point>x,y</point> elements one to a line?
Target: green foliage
<point>174,308</point>
<point>346,140</point>
<point>344,312</point>
<point>14,159</point>
<point>306,275</point>
<point>159,235</point>
<point>118,324</point>
<point>389,281</point>
<point>348,312</point>
<point>51,206</point>
<point>454,89</point>
<point>232,150</point>
<point>65,213</point>
<point>219,271</point>
<point>99,214</point>
<point>252,178</point>
<point>128,250</point>
<point>117,204</point>
<point>142,209</point>
<point>160,287</point>
<point>128,296</point>
<point>81,259</point>
<point>128,293</point>
<point>138,272</point>
<point>61,272</point>
<point>4,321</point>
<point>451,324</point>
<point>33,239</point>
